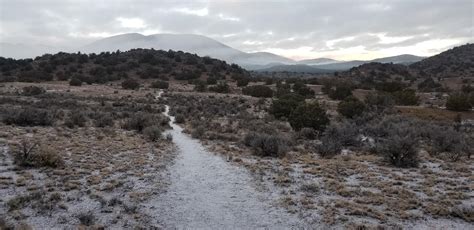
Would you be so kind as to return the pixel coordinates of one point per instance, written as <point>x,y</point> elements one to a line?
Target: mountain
<point>318,61</point>
<point>201,45</point>
<point>456,62</point>
<point>400,59</point>
<point>331,65</point>
<point>298,68</point>
<point>198,44</point>
<point>404,59</point>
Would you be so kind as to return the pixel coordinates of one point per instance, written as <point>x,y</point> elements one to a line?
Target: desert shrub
<point>379,101</point>
<point>428,85</point>
<point>341,92</point>
<point>169,137</point>
<point>130,84</point>
<point>86,218</point>
<point>141,120</point>
<point>179,119</point>
<point>221,87</point>
<point>198,132</point>
<point>337,136</point>
<point>303,90</point>
<point>309,115</point>
<point>258,91</point>
<point>284,105</point>
<point>406,97</point>
<point>242,82</point>
<point>458,102</point>
<point>282,89</point>
<point>266,145</point>
<point>160,85</point>
<point>29,154</point>
<point>104,120</point>
<point>32,90</point>
<point>447,140</point>
<point>75,82</point>
<point>187,75</point>
<point>34,76</point>
<point>153,133</point>
<point>399,147</point>
<point>351,107</point>
<point>211,80</point>
<point>308,133</point>
<point>75,118</point>
<point>390,87</point>
<point>200,86</point>
<point>28,116</point>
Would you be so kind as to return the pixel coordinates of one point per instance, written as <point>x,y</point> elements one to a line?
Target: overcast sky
<point>341,29</point>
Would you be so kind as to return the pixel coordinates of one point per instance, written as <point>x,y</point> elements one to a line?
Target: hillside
<point>456,62</point>
<point>198,44</point>
<point>106,66</point>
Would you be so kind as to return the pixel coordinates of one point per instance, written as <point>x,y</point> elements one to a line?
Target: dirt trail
<point>206,191</point>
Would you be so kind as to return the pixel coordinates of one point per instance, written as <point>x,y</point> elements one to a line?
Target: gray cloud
<point>246,25</point>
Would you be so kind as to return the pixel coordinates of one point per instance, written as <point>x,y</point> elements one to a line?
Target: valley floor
<point>117,178</point>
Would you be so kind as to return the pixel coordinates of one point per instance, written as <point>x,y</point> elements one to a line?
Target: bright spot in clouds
<point>133,23</point>
<point>197,12</point>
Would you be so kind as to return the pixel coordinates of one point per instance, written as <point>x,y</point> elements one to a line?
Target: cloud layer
<point>343,29</point>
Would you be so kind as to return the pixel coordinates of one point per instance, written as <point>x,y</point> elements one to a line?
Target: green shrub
<point>153,133</point>
<point>75,118</point>
<point>406,97</point>
<point>379,101</point>
<point>179,119</point>
<point>258,91</point>
<point>104,120</point>
<point>221,87</point>
<point>284,105</point>
<point>242,82</point>
<point>32,90</point>
<point>309,115</point>
<point>200,86</point>
<point>458,102</point>
<point>160,85</point>
<point>130,84</point>
<point>75,82</point>
<point>351,107</point>
<point>28,116</point>
<point>139,121</point>
<point>341,92</point>
<point>303,90</point>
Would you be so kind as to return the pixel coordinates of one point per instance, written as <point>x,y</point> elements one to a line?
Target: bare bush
<point>399,147</point>
<point>336,137</point>
<point>28,116</point>
<point>448,141</point>
<point>75,118</point>
<point>139,121</point>
<point>30,154</point>
<point>266,145</point>
<point>32,90</point>
<point>153,133</point>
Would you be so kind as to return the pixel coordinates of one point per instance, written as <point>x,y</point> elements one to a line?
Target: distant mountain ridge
<point>203,46</point>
